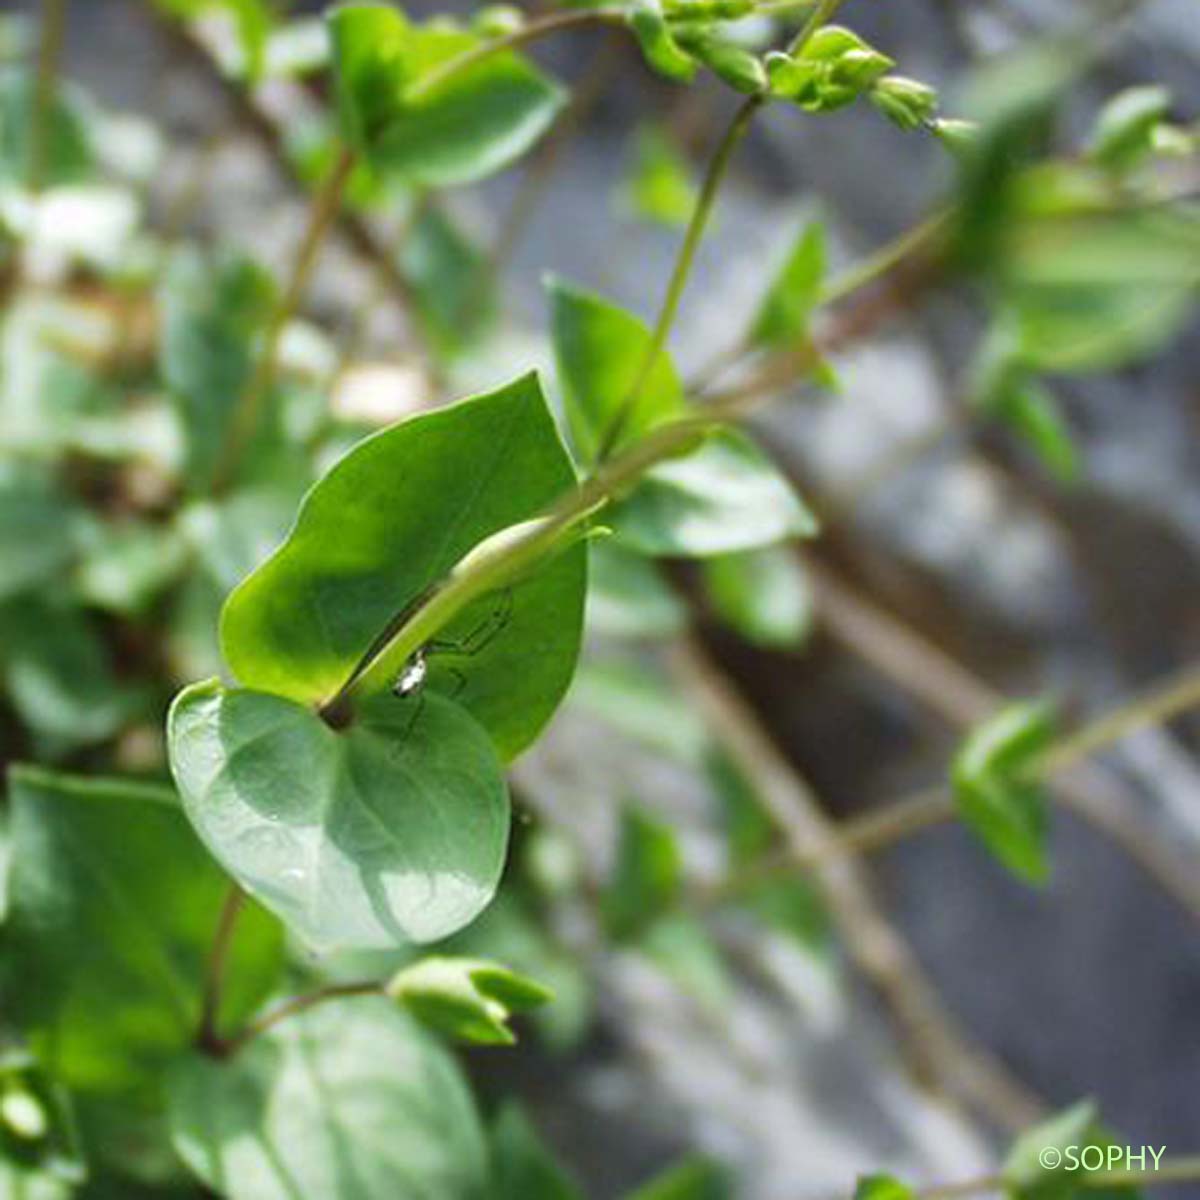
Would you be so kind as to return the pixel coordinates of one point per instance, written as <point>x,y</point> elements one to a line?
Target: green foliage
<point>522,1167</point>
<point>434,132</point>
<point>795,291</point>
<point>646,877</point>
<point>762,594</point>
<point>103,948</point>
<point>996,789</point>
<point>356,1103</point>
<point>659,188</point>
<point>68,155</point>
<point>692,1179</point>
<point>302,623</point>
<point>882,1187</point>
<point>469,999</point>
<point>392,830</point>
<point>628,596</point>
<point>1125,128</point>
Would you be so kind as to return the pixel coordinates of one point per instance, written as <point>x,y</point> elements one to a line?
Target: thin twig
<point>298,1004</point>
<point>50,43</point>
<point>209,1036</point>
<point>326,206</point>
<point>942,1056</point>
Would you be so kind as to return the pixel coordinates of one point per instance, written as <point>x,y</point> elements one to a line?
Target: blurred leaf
<point>628,596</point>
<point>724,497</point>
<point>795,291</point>
<point>470,999</point>
<point>125,566</point>
<point>105,949</point>
<point>882,1187</point>
<point>252,21</point>
<point>1071,1133</point>
<point>476,122</point>
<point>659,187</point>
<point>451,283</point>
<point>345,1100</point>
<point>763,594</point>
<point>37,525</point>
<point>1124,130</point>
<point>212,310</point>
<point>680,945</point>
<point>522,1167</point>
<point>68,152</point>
<point>634,699</point>
<point>694,1178</point>
<point>1094,291</point>
<point>995,793</point>
<point>59,675</point>
<point>646,876</point>
<point>599,350</point>
<point>390,831</point>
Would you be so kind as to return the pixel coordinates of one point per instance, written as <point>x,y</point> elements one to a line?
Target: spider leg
<point>418,708</point>
<point>479,638</point>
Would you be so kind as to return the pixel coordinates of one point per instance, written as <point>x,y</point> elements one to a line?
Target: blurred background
<point>953,569</point>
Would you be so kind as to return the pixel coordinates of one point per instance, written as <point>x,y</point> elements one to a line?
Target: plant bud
<point>737,66</point>
<point>907,102</point>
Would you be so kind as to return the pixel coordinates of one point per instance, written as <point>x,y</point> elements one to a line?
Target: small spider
<point>415,672</point>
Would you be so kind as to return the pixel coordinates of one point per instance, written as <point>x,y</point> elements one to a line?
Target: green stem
<point>715,175</point>
<point>326,206</point>
<point>54,20</point>
<point>298,1004</point>
<point>886,258</point>
<point>208,1038</point>
<point>538,28</point>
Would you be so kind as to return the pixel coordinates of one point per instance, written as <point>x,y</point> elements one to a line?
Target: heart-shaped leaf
<point>390,520</point>
<point>113,907</point>
<point>350,1101</point>
<point>473,123</point>
<point>391,831</point>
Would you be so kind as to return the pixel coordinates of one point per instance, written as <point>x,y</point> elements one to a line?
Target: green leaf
<point>628,596</point>
<point>659,188</point>
<point>390,831</point>
<point>36,535</point>
<point>113,903</point>
<point>212,310</point>
<point>68,153</point>
<point>470,999</point>
<point>1050,1161</point>
<point>763,594</point>
<point>882,1187</point>
<point>1095,291</point>
<point>473,123</point>
<point>683,948</point>
<point>522,1167</point>
<point>1124,130</point>
<point>599,350</point>
<point>451,282</point>
<point>345,1100</point>
<point>724,497</point>
<point>1035,415</point>
<point>19,1182</point>
<point>646,877</point>
<point>796,290</point>
<point>59,676</point>
<point>995,792</point>
<point>392,518</point>
<point>694,1178</point>
<point>125,566</point>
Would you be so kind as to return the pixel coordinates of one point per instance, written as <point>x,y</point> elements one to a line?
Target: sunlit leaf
<point>350,1100</point>
<point>113,906</point>
<point>391,831</point>
<point>473,123</point>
